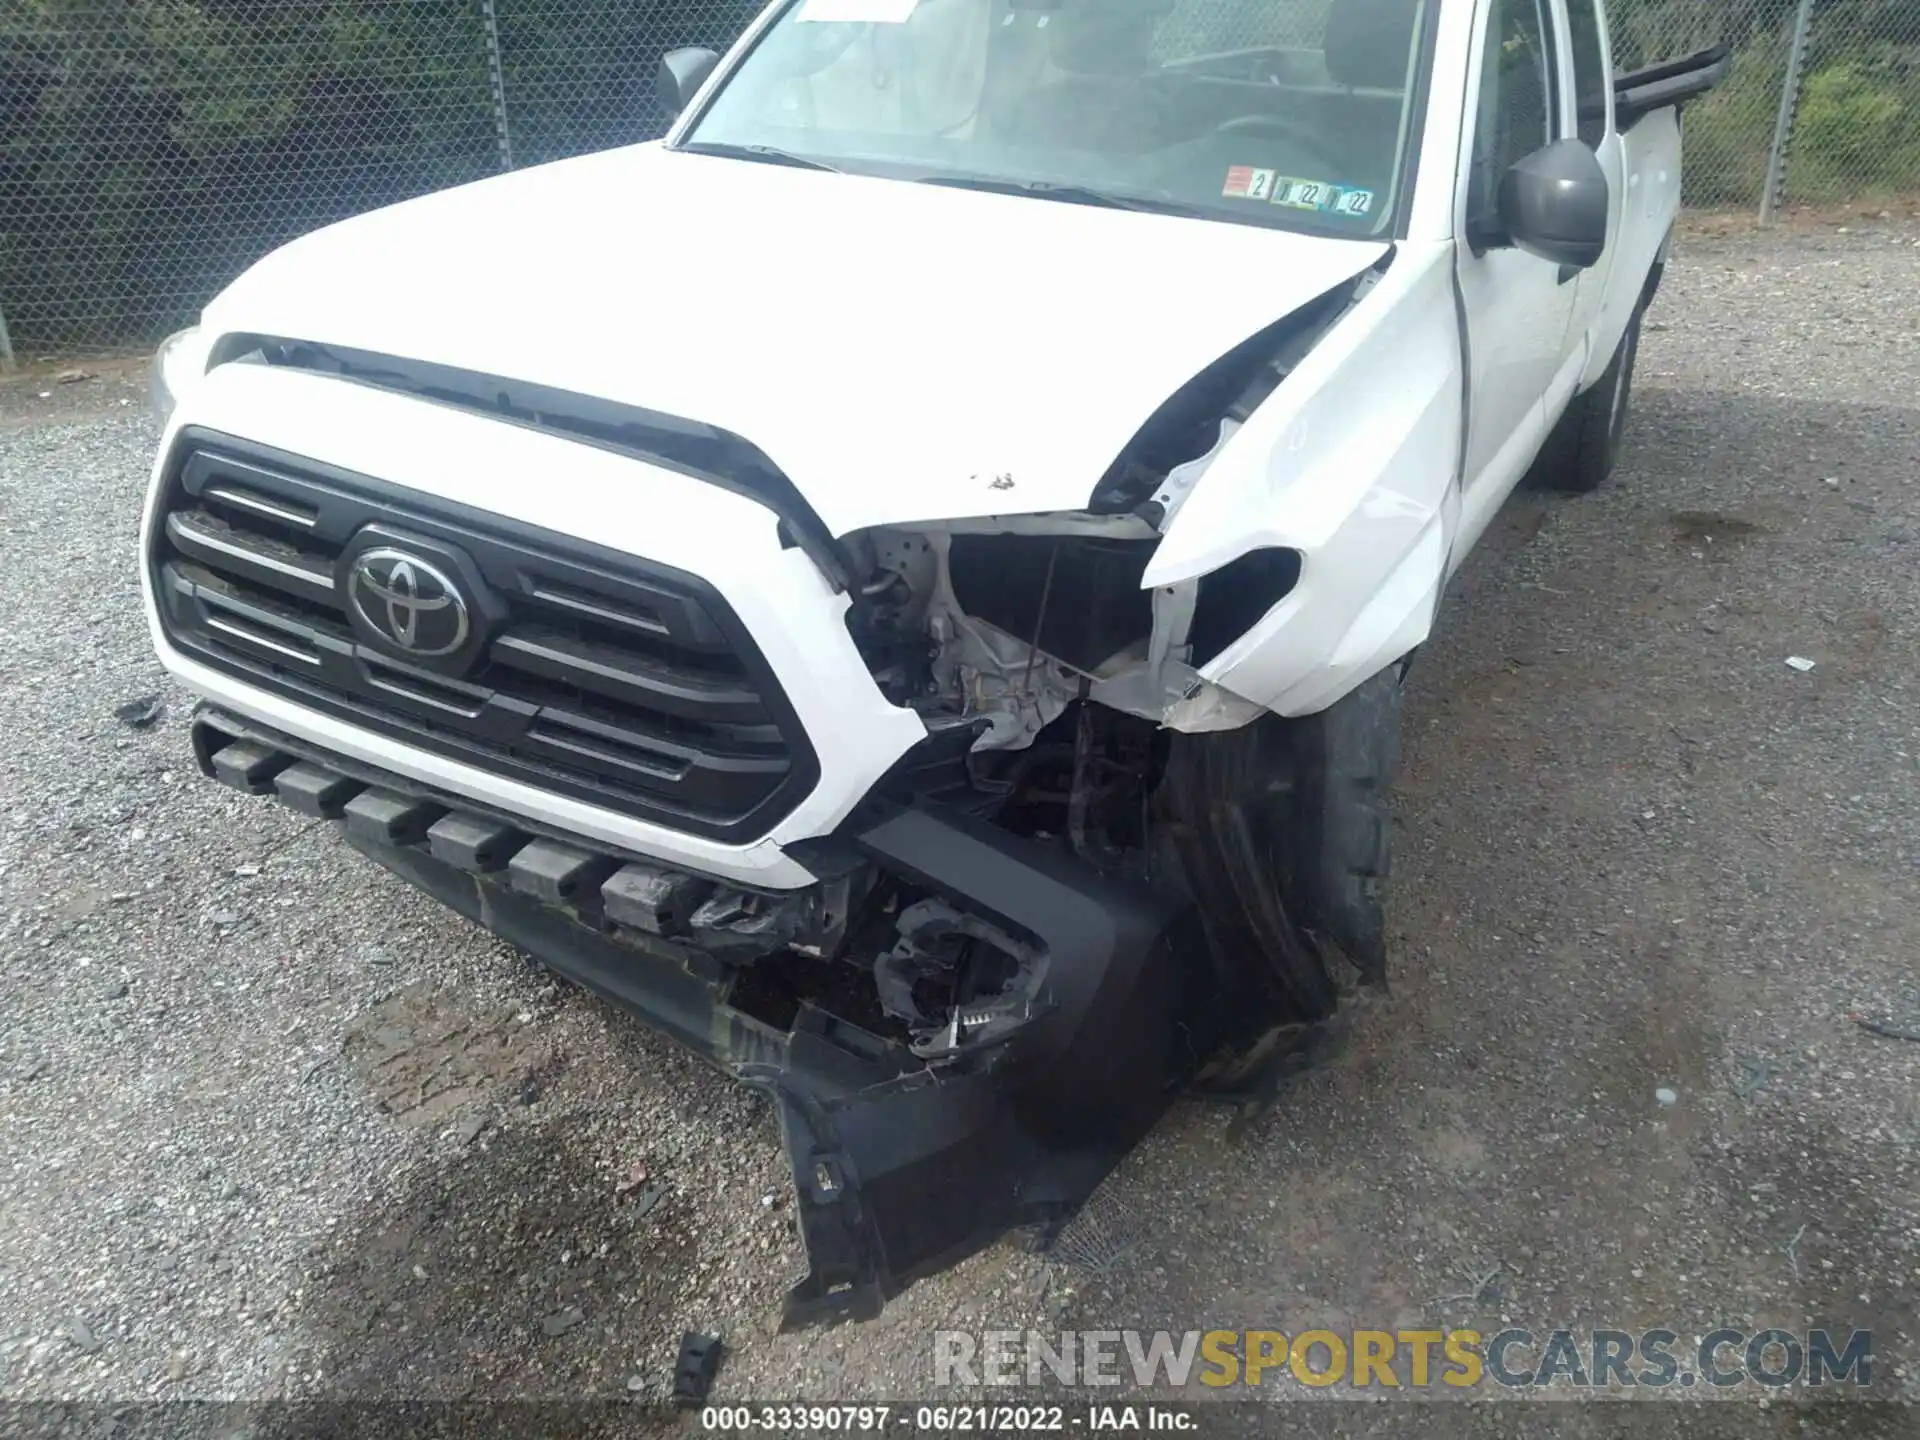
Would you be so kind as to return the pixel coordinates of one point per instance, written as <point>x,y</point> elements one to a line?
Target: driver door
<point>1519,308</point>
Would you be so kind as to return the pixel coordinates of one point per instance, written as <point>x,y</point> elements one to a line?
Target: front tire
<point>1281,830</point>
<point>1585,446</point>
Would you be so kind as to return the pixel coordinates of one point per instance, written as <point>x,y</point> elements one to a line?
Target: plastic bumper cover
<point>900,1169</point>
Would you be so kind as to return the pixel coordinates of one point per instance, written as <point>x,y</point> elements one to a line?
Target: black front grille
<point>614,680</point>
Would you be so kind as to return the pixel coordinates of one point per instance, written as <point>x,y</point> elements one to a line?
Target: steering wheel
<point>1308,141</point>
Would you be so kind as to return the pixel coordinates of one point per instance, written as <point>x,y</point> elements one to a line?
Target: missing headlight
<point>1237,596</point>
<point>1076,598</point>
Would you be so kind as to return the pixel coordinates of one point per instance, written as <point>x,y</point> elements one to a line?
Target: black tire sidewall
<point>1579,454</point>
<point>1620,390</point>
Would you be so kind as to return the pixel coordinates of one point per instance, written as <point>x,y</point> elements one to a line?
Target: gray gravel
<point>276,1126</point>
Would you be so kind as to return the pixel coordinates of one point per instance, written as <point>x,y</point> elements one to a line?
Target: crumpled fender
<point>1354,462</point>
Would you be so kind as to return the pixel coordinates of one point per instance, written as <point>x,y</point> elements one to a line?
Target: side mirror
<point>682,73</point>
<point>1553,203</point>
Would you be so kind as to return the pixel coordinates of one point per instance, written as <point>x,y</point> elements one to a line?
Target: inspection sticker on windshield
<point>1246,183</point>
<point>1319,195</point>
<point>872,12</point>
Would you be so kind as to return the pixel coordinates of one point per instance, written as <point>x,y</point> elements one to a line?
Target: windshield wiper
<point>1043,190</point>
<point>765,154</point>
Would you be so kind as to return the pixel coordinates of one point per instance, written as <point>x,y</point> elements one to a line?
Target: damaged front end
<point>963,1029</point>
<point>1011,618</point>
<point>1110,880</point>
<point>1068,700</point>
<point>998,984</point>
<point>1100,880</point>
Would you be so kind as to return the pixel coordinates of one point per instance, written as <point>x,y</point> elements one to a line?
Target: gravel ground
<point>275,1126</point>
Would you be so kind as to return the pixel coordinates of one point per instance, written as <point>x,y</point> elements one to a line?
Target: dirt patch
<point>1704,529</point>
<point>425,1057</point>
<point>1896,211</point>
<point>53,391</point>
<point>507,1267</point>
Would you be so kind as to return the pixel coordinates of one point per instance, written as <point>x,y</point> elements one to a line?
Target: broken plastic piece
<point>657,901</point>
<point>737,927</point>
<point>1887,1029</point>
<point>138,714</point>
<point>992,980</point>
<point>693,1372</point>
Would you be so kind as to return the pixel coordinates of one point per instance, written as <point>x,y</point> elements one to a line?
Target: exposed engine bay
<point>1065,706</point>
<point>1066,711</point>
<point>1009,620</point>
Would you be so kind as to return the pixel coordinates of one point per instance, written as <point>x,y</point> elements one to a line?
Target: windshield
<point>1293,113</point>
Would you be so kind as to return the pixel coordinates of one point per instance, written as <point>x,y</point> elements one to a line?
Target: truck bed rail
<point>1638,93</point>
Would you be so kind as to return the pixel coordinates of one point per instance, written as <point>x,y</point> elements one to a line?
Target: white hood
<point>903,352</point>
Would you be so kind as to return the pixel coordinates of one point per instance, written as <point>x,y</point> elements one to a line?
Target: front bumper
<point>900,1168</point>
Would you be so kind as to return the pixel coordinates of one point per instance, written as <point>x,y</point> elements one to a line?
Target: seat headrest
<point>1104,37</point>
<point>1368,41</point>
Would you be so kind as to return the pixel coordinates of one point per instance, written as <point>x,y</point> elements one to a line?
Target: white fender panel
<point>1353,462</point>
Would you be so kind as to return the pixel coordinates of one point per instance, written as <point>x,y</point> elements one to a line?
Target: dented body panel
<point>1353,463</point>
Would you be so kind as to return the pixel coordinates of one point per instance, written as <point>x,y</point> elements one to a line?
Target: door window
<point>1592,75</point>
<point>1518,96</point>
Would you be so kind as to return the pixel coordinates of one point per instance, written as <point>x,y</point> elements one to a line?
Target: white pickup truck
<point>905,583</point>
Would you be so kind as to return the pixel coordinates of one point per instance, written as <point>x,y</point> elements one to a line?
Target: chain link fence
<point>1822,104</point>
<point>151,149</point>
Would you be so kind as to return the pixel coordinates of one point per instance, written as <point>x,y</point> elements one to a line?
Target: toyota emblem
<point>409,602</point>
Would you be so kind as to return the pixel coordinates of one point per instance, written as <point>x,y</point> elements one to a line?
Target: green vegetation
<point>1729,133</point>
<point>1857,131</point>
<point>150,149</point>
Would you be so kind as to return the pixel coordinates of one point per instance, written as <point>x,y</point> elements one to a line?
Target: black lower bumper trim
<point>900,1168</point>
<point>249,766</point>
<point>898,1182</point>
<point>314,791</point>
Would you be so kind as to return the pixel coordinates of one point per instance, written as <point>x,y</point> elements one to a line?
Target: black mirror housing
<point>682,73</point>
<point>1553,204</point>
